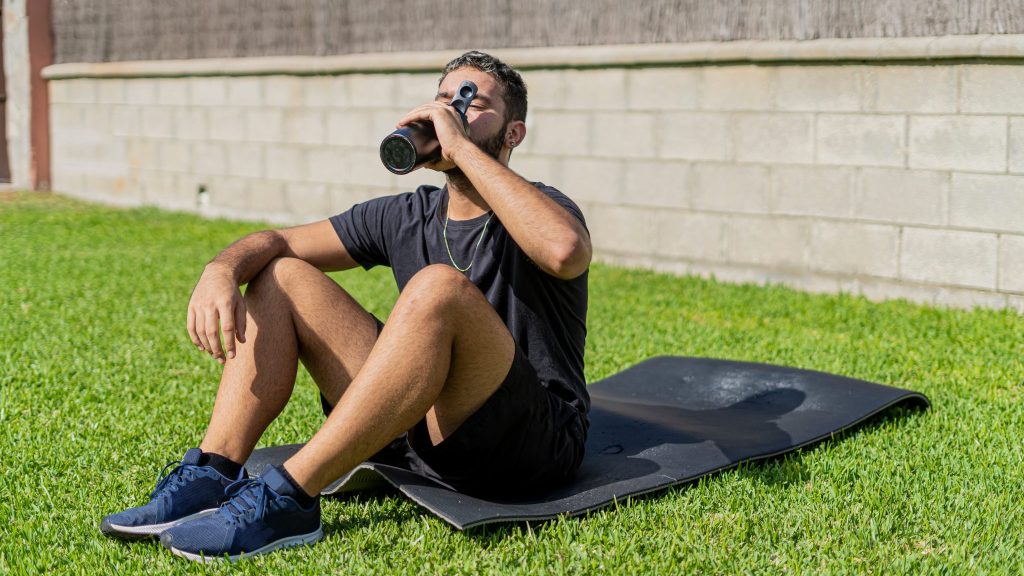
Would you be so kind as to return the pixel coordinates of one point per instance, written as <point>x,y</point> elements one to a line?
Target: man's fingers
<point>240,320</point>
<point>191,325</point>
<point>420,113</point>
<point>227,326</point>
<point>417,113</point>
<point>204,345</point>
<point>212,336</point>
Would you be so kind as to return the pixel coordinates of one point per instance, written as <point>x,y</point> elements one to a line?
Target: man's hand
<point>216,300</point>
<point>217,306</point>
<point>451,133</point>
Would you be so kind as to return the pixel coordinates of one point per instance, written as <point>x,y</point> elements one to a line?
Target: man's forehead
<point>487,88</point>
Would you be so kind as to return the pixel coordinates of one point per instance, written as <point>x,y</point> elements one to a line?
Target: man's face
<point>486,115</point>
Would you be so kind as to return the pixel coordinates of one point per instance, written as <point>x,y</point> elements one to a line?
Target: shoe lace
<point>168,482</point>
<point>247,500</point>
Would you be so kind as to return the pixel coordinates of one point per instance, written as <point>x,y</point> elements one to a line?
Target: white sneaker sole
<point>156,529</point>
<point>300,540</point>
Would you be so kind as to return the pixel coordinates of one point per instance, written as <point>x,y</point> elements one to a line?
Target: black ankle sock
<point>304,500</point>
<point>227,467</point>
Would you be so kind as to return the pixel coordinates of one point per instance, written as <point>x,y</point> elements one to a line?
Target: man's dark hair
<point>513,88</point>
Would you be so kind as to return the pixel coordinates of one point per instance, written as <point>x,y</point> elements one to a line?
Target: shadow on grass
<point>378,500</point>
<point>388,504</point>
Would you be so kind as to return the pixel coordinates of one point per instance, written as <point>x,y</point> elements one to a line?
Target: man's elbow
<point>570,259</point>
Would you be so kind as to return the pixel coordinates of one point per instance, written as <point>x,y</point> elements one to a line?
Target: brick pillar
<point>40,49</point>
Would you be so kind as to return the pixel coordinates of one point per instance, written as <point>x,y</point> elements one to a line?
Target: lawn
<point>100,386</point>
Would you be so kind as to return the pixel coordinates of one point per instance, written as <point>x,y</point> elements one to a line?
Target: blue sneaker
<point>258,518</point>
<point>189,491</point>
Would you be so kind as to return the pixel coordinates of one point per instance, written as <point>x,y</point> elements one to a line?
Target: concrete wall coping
<point>982,46</point>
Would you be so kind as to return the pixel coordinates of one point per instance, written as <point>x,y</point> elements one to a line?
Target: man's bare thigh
<point>335,333</point>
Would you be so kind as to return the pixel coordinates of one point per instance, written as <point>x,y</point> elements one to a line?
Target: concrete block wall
<point>889,179</point>
<point>279,148</point>
<point>892,180</point>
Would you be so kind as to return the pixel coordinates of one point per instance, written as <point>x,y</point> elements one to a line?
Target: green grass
<point>99,387</point>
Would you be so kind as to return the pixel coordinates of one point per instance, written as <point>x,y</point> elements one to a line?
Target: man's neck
<point>464,202</point>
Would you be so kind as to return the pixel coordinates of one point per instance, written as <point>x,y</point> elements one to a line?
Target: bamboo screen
<point>112,30</point>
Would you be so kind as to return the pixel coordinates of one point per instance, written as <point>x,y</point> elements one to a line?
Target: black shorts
<point>522,441</point>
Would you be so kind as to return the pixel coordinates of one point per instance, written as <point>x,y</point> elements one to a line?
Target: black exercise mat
<point>665,421</point>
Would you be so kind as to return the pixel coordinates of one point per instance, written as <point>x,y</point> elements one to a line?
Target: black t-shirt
<point>545,315</point>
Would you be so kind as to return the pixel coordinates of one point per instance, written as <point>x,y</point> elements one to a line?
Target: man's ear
<point>515,132</point>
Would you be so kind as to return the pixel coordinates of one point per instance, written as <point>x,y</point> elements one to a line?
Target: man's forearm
<point>552,237</point>
<point>243,259</point>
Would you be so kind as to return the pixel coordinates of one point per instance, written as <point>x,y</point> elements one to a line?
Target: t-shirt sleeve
<point>563,201</point>
<point>364,230</point>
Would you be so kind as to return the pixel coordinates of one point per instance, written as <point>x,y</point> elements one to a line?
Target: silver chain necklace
<point>444,234</point>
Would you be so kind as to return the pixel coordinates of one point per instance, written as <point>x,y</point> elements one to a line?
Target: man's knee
<point>278,276</point>
<point>440,285</point>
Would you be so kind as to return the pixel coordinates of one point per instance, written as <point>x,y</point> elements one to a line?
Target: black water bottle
<point>412,146</point>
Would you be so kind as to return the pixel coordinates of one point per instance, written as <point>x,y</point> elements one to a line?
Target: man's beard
<point>491,147</point>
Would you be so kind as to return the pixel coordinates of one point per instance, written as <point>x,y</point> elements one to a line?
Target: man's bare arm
<point>551,236</point>
<point>316,243</point>
<point>216,299</point>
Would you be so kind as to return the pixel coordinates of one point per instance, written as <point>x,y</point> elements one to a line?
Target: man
<point>478,372</point>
